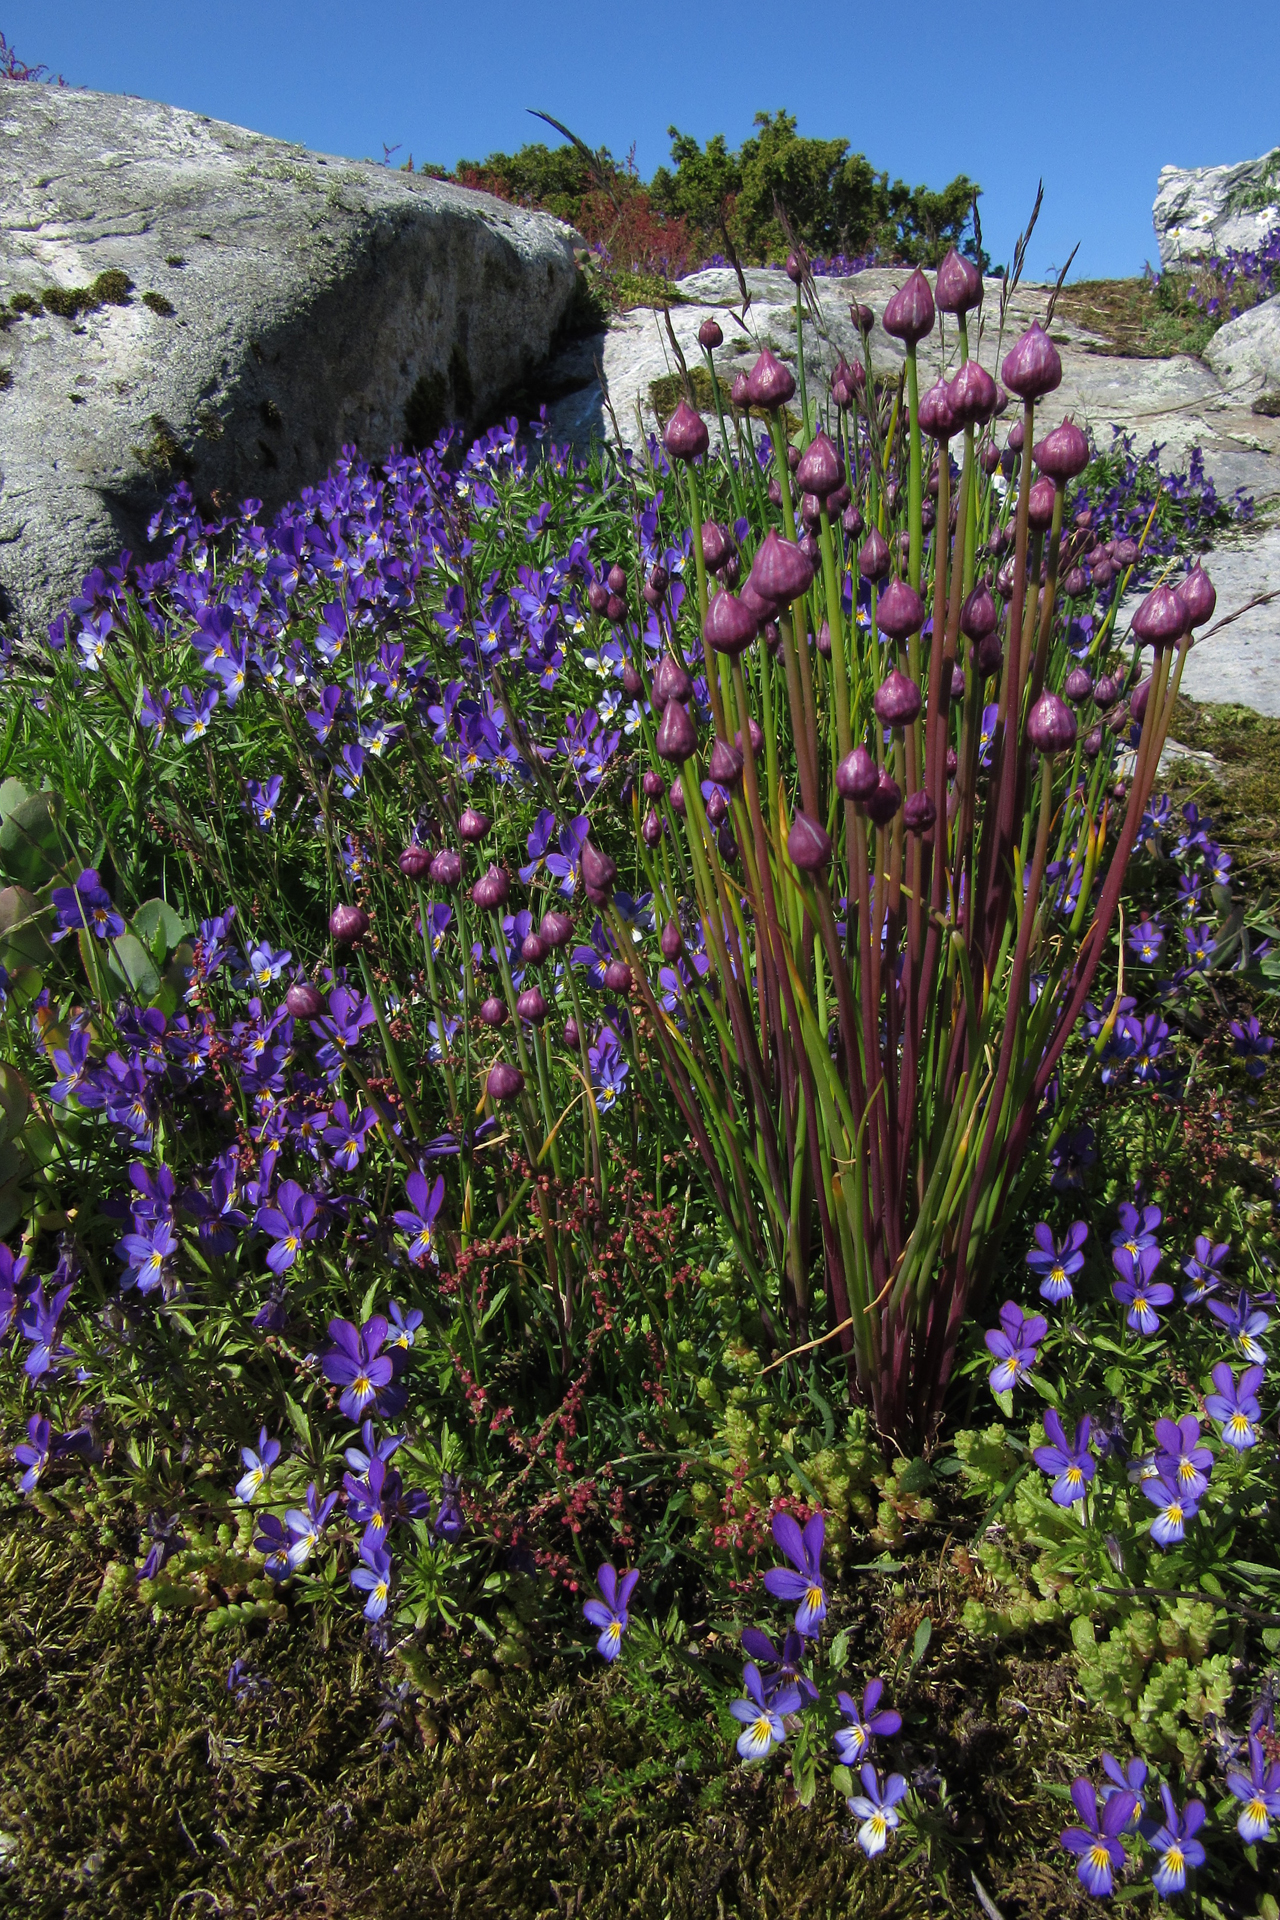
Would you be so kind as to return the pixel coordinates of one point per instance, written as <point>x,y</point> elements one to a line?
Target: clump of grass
<point>1242,795</point>
<point>159,305</point>
<point>1144,318</point>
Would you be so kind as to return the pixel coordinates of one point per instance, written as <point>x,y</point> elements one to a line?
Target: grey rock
<point>313,302</point>
<point>1200,211</point>
<point>1241,664</point>
<point>1245,354</point>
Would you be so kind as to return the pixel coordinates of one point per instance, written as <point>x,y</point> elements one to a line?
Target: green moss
<point>25,303</point>
<point>158,304</point>
<point>163,453</point>
<point>6,379</point>
<point>1241,793</point>
<point>1142,318</point>
<point>110,289</point>
<point>666,393</point>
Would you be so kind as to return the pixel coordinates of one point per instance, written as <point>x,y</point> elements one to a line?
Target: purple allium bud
<point>709,334</point>
<point>725,764</point>
<point>1033,366</point>
<point>897,702</point>
<point>989,655</point>
<point>304,1001</point>
<point>910,313</point>
<point>597,596</point>
<point>651,829</point>
<point>717,807</point>
<point>675,797</point>
<point>1078,685</point>
<point>632,684</point>
<point>1199,596</point>
<point>873,558</point>
<point>774,491</point>
<point>1015,439</point>
<point>1004,581</point>
<point>415,862</point>
<point>617,977</point>
<point>811,549</point>
<point>730,626</point>
<point>446,868</point>
<point>731,571</point>
<point>1051,725</point>
<point>1075,583</point>
<point>808,844</point>
<point>793,458</point>
<point>1062,454</point>
<point>810,512</point>
<point>883,802</point>
<point>504,1081</point>
<point>1138,700</point>
<point>686,436</point>
<point>769,384</point>
<point>1123,553</point>
<point>989,458</point>
<point>899,610</point>
<point>716,545</point>
<point>572,1037</point>
<point>1106,693</point>
<point>862,318</point>
<point>919,812</point>
<point>843,389</point>
<point>957,284</point>
<point>772,635</point>
<point>670,682</point>
<point>957,682</point>
<point>755,734</point>
<point>1161,619</point>
<point>857,775</point>
<point>797,267</point>
<point>617,578</point>
<point>677,735</point>
<point>740,392</point>
<point>556,928</point>
<point>491,889</point>
<point>531,1005</point>
<point>824,640</point>
<point>534,949</point>
<point>671,941</point>
<point>953,761</point>
<point>935,415</point>
<point>598,870</point>
<point>615,611</point>
<point>999,542</point>
<point>1093,743</point>
<point>472,824</point>
<point>348,924</point>
<point>654,784</point>
<point>492,1012</point>
<point>972,395</point>
<point>821,469</point>
<point>1040,505</point>
<point>780,571</point>
<point>852,522</point>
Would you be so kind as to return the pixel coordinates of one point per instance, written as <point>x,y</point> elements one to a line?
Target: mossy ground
<point>1142,318</point>
<point>1242,793</point>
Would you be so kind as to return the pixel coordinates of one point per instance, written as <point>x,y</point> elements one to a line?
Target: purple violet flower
<point>1072,1465</point>
<point>805,1584</point>
<point>1055,1261</point>
<point>610,1612</point>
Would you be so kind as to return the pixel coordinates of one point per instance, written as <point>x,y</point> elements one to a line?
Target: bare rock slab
<point>275,305</point>
<point>1201,211</point>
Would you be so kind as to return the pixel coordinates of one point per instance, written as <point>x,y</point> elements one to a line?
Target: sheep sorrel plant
<point>915,885</point>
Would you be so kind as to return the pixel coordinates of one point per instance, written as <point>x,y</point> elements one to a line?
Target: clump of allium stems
<point>907,897</point>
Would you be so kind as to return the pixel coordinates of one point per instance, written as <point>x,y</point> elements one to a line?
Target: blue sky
<point>1094,96</point>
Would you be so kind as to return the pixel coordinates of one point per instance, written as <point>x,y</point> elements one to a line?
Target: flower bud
<point>957,284</point>
<point>934,412</point>
<point>615,611</point>
<point>999,542</point>
<point>472,824</point>
<point>654,784</point>
<point>1106,693</point>
<point>651,829</point>
<point>730,627</point>
<point>919,812</point>
<point>1040,505</point>
<point>597,596</point>
<point>808,844</point>
<point>446,868</point>
<point>857,775</point>
<point>972,395</point>
<point>862,318</point>
<point>675,795</point>
<point>900,611</point>
<point>617,977</point>
<point>504,1081</point>
<point>556,928</point>
<point>957,682</point>
<point>769,384</point>
<point>989,458</point>
<point>598,870</point>
<point>843,389</point>
<point>572,1038</point>
<point>677,735</point>
<point>780,572</point>
<point>632,684</point>
<point>740,393</point>
<point>1016,437</point>
<point>989,655</point>
<point>1198,596</point>
<point>1051,725</point>
<point>852,522</point>
<point>716,546</point>
<point>883,802</point>
<point>670,682</point>
<point>725,764</point>
<point>755,735</point>
<point>1101,571</point>
<point>1004,581</point>
<point>1075,583</point>
<point>492,1012</point>
<point>910,312</point>
<point>491,889</point>
<point>617,579</point>
<point>717,807</point>
<point>531,1005</point>
<point>1078,686</point>
<point>1093,743</point>
<point>821,469</point>
<point>1062,454</point>
<point>348,924</point>
<point>1138,700</point>
<point>415,862</point>
<point>897,702</point>
<point>686,436</point>
<point>953,761</point>
<point>793,458</point>
<point>810,513</point>
<point>797,267</point>
<point>709,335</point>
<point>1032,367</point>
<point>534,949</point>
<point>824,640</point>
<point>304,1001</point>
<point>1161,619</point>
<point>671,941</point>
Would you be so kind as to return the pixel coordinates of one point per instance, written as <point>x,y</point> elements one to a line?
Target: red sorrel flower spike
<point>1051,725</point>
<point>780,572</point>
<point>972,395</point>
<point>857,775</point>
<point>677,735</point>
<point>769,384</point>
<point>821,469</point>
<point>686,436</point>
<point>936,417</point>
<point>472,824</point>
<point>725,764</point>
<point>1033,366</point>
<point>670,682</point>
<point>1063,453</point>
<point>415,862</point>
<point>1199,596</point>
<point>1161,619</point>
<point>730,626</point>
<point>716,545</point>
<point>348,924</point>
<point>556,928</point>
<point>958,284</point>
<point>897,702</point>
<point>900,611</point>
<point>909,315</point>
<point>504,1081</point>
<point>873,557</point>
<point>709,334</point>
<point>808,844</point>
<point>1040,505</point>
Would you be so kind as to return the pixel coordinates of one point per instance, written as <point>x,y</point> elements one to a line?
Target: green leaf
<point>31,849</point>
<point>920,1645</point>
<point>23,940</point>
<point>159,927</point>
<point>842,1781</point>
<point>840,1649</point>
<point>298,1419</point>
<point>128,962</point>
<point>15,1102</point>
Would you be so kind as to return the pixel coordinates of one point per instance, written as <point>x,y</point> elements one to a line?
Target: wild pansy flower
<point>1203,1268</point>
<point>1136,1288</point>
<point>370,1448</point>
<point>1137,1229</point>
<point>1234,1404</point>
<point>1175,1509</point>
<point>290,1223</point>
<point>779,1669</point>
<point>1146,940</point>
<point>155,710</point>
<point>609,1613</point>
<point>609,1068</point>
<point>346,1137</point>
<point>761,1715</point>
<point>866,1722</point>
<point>1014,1344</point>
<point>38,1323</point>
<point>406,1324</point>
<point>1056,1260</point>
<point>1072,1465</point>
<point>306,1525</point>
<point>264,798</point>
<point>1175,1841</point>
<point>258,1463</point>
<point>566,866</point>
<point>419,1218</point>
<point>196,713</point>
<point>264,966</point>
<point>86,905</point>
<point>1180,1456</point>
<point>1258,1792</point>
<point>805,1584</point>
<point>355,1363</point>
<point>145,1254</point>
<point>1200,944</point>
<point>13,1269</point>
<point>1071,1157</point>
<point>1096,1842</point>
<point>1251,1045</point>
<point>877,1808</point>
<point>449,1522</point>
<point>1243,1323</point>
<point>373,1578</point>
<point>33,1452</point>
